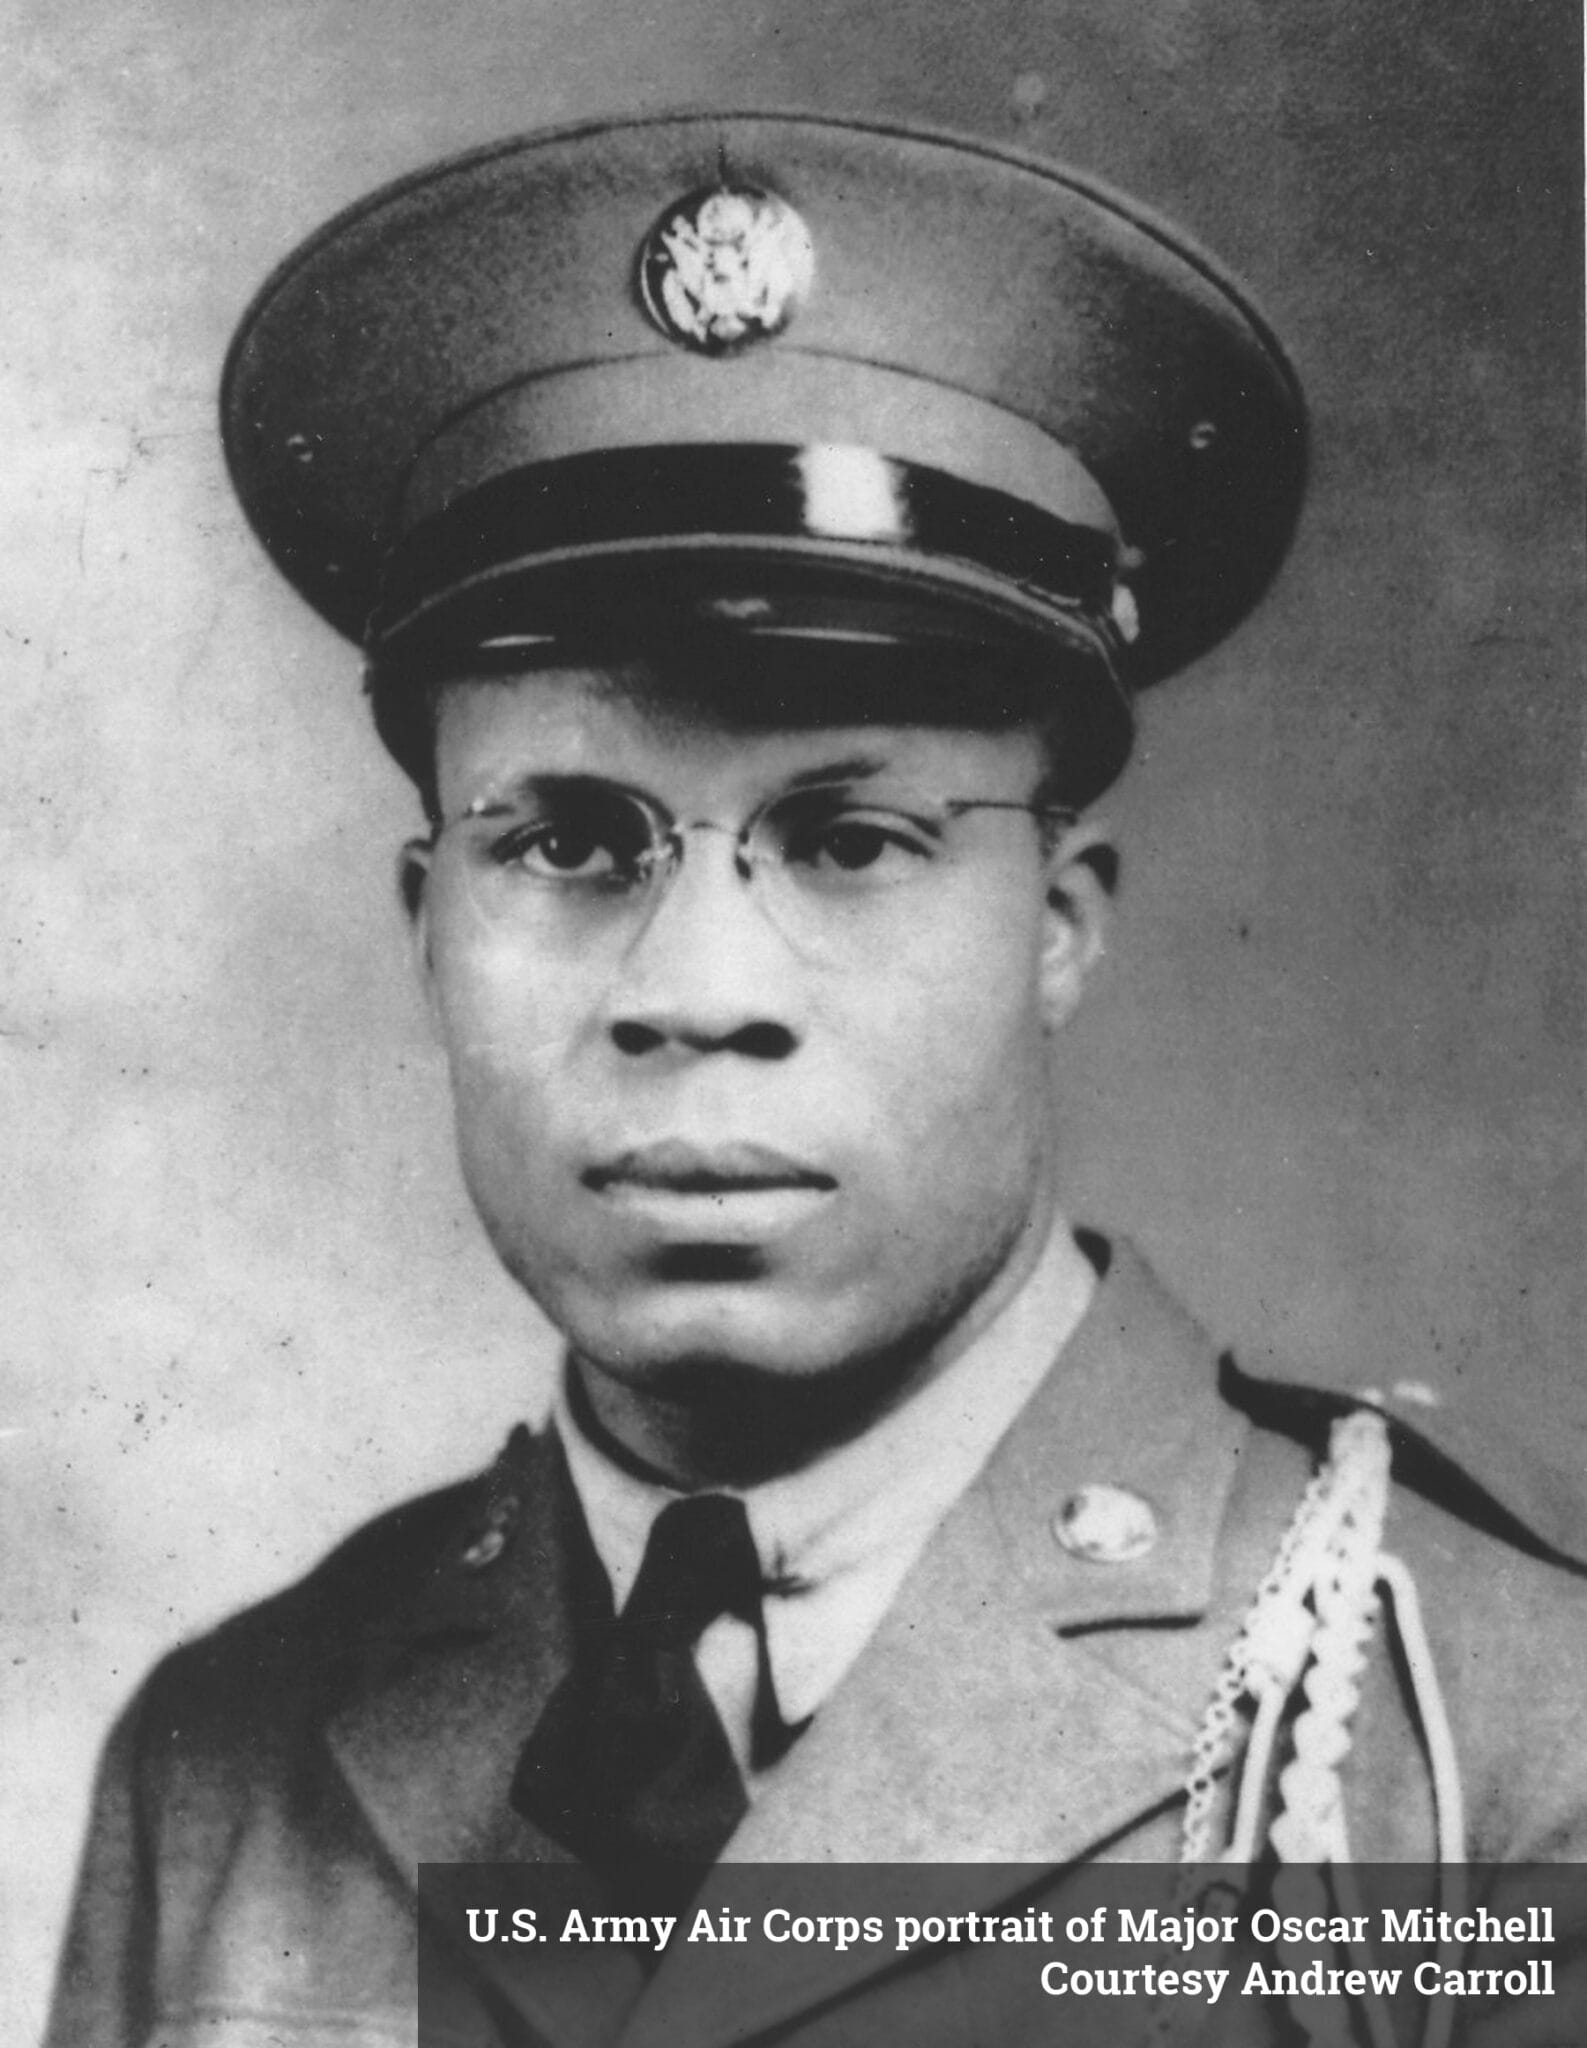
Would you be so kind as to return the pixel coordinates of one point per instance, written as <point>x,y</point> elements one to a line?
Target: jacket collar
<point>444,1697</point>
<point>1465,1444</point>
<point>429,1740</point>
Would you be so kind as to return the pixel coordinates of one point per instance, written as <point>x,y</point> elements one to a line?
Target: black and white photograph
<point>792,1024</point>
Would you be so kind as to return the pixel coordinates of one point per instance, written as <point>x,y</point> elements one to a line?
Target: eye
<point>585,838</point>
<point>840,842</point>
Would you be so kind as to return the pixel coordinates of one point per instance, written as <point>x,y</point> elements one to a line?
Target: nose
<point>706,972</point>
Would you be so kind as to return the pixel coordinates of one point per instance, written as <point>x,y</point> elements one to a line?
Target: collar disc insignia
<point>725,266</point>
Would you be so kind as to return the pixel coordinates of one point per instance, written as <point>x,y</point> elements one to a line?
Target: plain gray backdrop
<point>1331,1075</point>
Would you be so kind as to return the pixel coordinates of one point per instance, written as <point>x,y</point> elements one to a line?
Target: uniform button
<point>1106,1525</point>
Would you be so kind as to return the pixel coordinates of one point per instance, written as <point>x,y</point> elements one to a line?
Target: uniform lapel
<point>1006,1712</point>
<point>432,1735</point>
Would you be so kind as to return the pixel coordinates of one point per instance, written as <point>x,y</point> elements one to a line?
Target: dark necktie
<point>629,1766</point>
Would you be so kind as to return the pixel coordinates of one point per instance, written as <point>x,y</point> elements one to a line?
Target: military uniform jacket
<point>249,1880</point>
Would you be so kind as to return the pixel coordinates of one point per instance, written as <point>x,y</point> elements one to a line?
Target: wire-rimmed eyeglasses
<point>574,858</point>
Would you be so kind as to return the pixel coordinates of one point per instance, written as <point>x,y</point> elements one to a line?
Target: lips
<point>676,1167</point>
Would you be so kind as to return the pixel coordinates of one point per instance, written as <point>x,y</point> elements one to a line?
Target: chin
<point>693,1327</point>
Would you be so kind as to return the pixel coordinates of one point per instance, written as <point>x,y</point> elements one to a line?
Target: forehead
<point>491,732</point>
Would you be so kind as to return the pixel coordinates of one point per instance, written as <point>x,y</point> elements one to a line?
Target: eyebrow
<point>538,783</point>
<point>857,768</point>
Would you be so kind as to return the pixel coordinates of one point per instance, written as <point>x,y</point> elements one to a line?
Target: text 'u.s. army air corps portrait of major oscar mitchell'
<point>757,529</point>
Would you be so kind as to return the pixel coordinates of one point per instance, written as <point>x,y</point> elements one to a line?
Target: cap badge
<point>725,266</point>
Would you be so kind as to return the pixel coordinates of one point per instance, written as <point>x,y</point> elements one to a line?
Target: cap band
<point>797,515</point>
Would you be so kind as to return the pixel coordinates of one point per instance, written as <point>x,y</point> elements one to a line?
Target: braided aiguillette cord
<point>1310,1625</point>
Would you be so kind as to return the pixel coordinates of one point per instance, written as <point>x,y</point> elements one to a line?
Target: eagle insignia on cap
<point>725,266</point>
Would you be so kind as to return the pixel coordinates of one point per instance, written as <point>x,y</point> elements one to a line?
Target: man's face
<point>782,1107</point>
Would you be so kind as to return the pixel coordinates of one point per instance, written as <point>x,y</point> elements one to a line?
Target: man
<point>755,526</point>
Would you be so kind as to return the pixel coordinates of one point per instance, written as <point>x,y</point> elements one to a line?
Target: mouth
<point>674,1167</point>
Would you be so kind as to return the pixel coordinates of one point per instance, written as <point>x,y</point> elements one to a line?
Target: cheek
<point>507,1026</point>
<point>955,1047</point>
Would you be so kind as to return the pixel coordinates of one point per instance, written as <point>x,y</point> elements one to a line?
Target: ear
<point>1082,876</point>
<point>413,887</point>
